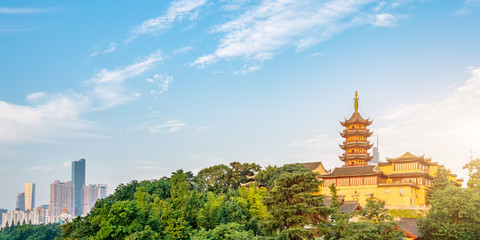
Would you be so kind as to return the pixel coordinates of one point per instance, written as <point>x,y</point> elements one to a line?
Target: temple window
<point>387,190</point>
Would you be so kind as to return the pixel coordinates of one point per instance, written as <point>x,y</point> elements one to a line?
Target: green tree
<point>268,176</point>
<point>473,168</point>
<point>238,172</point>
<point>213,178</point>
<point>439,182</point>
<point>293,206</point>
<point>374,224</point>
<point>229,231</point>
<point>454,214</point>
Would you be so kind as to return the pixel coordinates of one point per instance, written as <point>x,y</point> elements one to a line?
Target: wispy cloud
<point>5,10</point>
<point>384,20</point>
<point>112,47</point>
<point>108,85</point>
<point>160,83</point>
<point>53,116</point>
<point>445,129</point>
<point>260,32</point>
<point>182,50</point>
<point>49,117</point>
<point>247,69</point>
<point>170,126</point>
<point>468,7</point>
<point>176,12</point>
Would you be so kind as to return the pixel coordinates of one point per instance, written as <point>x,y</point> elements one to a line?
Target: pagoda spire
<point>356,102</point>
<point>356,144</point>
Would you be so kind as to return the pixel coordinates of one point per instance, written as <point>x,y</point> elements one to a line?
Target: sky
<point>142,89</point>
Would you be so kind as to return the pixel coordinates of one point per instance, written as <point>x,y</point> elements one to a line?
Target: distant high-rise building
<point>20,201</point>
<point>29,196</point>
<point>91,193</point>
<point>62,198</point>
<point>78,180</point>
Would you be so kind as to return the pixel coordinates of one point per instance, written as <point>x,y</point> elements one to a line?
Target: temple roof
<point>409,157</point>
<point>356,118</point>
<point>409,226</point>
<point>354,171</point>
<point>315,166</point>
<point>345,206</point>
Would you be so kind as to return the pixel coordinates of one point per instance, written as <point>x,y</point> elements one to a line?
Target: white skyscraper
<point>62,198</point>
<point>29,196</point>
<point>92,193</point>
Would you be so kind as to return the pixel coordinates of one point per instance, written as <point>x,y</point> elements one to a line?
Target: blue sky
<point>141,90</point>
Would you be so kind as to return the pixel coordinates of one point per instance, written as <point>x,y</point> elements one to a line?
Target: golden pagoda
<point>356,144</point>
<point>402,182</point>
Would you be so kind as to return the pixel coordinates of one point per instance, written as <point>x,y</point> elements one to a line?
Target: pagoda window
<point>370,180</point>
<point>343,181</point>
<point>328,182</point>
<point>355,181</point>
<point>387,190</point>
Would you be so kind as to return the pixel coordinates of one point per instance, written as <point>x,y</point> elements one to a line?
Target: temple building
<point>402,182</point>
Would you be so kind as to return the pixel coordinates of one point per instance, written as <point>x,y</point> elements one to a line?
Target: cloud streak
<point>5,10</point>
<point>108,85</point>
<point>446,129</point>
<point>53,116</point>
<point>177,11</point>
<point>259,33</point>
<point>170,126</point>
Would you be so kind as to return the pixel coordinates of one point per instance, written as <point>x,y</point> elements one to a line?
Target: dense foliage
<point>372,222</point>
<point>213,205</point>
<point>454,212</point>
<point>31,232</point>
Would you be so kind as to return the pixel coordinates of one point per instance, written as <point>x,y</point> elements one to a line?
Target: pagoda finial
<point>356,101</point>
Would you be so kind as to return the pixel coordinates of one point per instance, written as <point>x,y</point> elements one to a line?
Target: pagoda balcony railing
<point>355,142</point>
<point>353,129</point>
<point>356,154</point>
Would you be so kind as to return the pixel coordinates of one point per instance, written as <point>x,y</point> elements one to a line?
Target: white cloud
<point>176,12</point>
<point>55,116</point>
<point>160,82</point>
<point>108,86</point>
<point>112,47</point>
<point>384,20</point>
<point>182,50</point>
<point>445,128</point>
<point>317,54</point>
<point>260,32</point>
<point>170,126</point>
<point>45,120</point>
<point>4,10</point>
<point>248,69</point>
<point>33,97</point>
<point>472,3</point>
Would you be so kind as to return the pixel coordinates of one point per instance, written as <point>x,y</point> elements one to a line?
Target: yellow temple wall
<point>386,169</point>
<point>393,198</point>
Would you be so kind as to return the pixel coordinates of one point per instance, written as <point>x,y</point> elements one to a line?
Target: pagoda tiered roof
<point>356,118</point>
<point>352,132</point>
<point>365,145</point>
<point>365,157</point>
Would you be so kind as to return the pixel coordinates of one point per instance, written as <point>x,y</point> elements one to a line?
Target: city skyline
<point>141,90</point>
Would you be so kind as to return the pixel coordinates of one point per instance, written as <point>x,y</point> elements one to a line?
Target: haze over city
<point>141,90</point>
